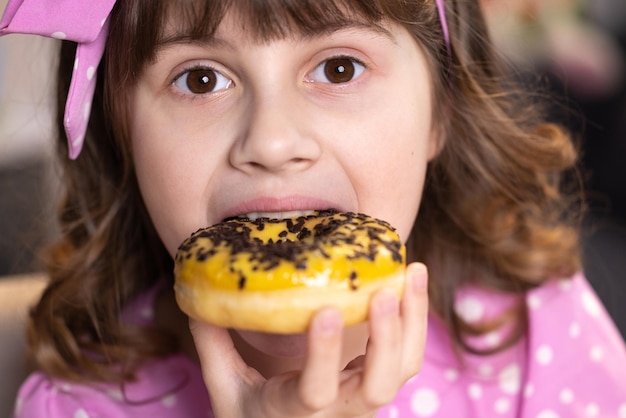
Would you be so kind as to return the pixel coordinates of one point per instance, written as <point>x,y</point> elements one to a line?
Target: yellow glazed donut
<point>272,275</point>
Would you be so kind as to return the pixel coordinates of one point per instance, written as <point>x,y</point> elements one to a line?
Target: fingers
<point>397,330</point>
<point>212,343</point>
<point>222,367</point>
<point>319,382</point>
<point>317,386</point>
<point>414,311</point>
<point>397,338</point>
<point>384,350</point>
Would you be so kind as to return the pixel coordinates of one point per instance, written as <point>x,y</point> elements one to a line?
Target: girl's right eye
<point>202,80</point>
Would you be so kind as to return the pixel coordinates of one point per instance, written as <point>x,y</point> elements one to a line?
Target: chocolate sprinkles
<point>295,243</point>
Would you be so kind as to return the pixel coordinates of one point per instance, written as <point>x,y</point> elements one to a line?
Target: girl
<point>205,109</point>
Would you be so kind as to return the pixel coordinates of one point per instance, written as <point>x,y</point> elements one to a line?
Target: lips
<point>279,208</point>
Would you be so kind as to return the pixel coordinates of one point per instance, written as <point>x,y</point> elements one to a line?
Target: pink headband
<point>441,9</point>
<point>86,23</point>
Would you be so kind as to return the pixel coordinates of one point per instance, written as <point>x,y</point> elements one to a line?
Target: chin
<point>276,345</point>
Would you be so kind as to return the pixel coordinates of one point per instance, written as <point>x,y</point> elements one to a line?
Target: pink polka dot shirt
<point>572,364</point>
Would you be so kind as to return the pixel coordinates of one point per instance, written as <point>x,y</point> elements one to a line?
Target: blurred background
<point>26,184</point>
<point>576,49</point>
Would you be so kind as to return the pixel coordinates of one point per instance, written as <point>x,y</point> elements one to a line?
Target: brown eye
<point>337,70</point>
<point>202,81</point>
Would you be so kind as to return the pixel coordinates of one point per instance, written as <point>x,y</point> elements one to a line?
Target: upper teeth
<point>278,215</point>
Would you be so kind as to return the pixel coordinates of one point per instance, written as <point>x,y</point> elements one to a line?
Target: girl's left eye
<point>202,80</point>
<point>337,70</point>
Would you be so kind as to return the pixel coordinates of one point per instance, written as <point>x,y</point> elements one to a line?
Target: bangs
<point>267,20</point>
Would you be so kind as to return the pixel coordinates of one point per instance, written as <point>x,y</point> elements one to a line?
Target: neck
<point>270,355</point>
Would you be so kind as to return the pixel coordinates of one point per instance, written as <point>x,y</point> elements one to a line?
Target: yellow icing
<point>225,271</point>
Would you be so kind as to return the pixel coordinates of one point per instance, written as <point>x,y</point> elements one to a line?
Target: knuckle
<point>375,397</point>
<point>318,400</point>
<point>414,367</point>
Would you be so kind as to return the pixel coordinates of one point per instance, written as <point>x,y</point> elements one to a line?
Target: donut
<point>272,275</point>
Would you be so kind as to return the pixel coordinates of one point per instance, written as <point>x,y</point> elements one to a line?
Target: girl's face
<point>231,125</point>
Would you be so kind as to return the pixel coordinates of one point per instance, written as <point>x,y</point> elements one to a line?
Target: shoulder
<point>576,357</point>
<point>568,313</point>
<point>571,364</point>
<point>170,387</point>
<point>43,397</point>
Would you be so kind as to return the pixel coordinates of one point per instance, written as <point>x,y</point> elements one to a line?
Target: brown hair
<point>492,209</point>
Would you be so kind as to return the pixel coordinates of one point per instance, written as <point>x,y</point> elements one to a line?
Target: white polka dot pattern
<point>547,413</point>
<point>502,406</point>
<point>90,72</point>
<point>470,309</point>
<point>493,339</point>
<point>534,302</point>
<point>169,401</point>
<point>510,379</point>
<point>596,353</point>
<point>591,304</point>
<point>81,413</point>
<point>550,374</point>
<point>566,359</point>
<point>485,370</point>
<point>566,396</point>
<point>592,410</point>
<point>544,355</point>
<point>475,391</point>
<point>115,394</point>
<point>574,330</point>
<point>451,374</point>
<point>425,402</point>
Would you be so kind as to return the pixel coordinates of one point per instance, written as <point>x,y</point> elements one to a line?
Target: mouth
<point>253,216</point>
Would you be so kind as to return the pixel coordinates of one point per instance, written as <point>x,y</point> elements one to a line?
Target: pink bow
<point>81,21</point>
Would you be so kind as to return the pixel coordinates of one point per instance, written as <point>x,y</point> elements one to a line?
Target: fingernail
<point>329,321</point>
<point>418,275</point>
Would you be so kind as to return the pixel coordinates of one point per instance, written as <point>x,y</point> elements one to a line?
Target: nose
<point>275,135</point>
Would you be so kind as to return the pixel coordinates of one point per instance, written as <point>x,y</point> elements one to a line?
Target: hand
<point>394,354</point>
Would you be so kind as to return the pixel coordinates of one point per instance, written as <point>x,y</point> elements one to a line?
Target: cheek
<point>158,192</point>
<point>172,195</point>
<point>390,180</point>
<point>399,188</point>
